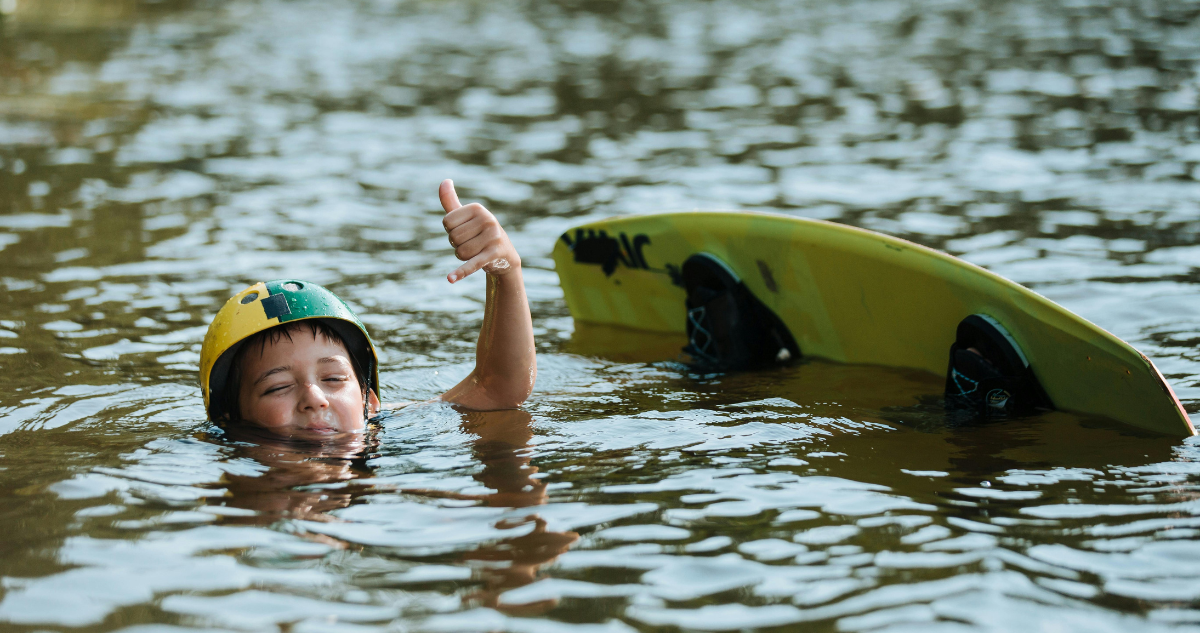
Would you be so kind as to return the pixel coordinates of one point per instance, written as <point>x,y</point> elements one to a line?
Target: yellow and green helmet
<point>266,305</point>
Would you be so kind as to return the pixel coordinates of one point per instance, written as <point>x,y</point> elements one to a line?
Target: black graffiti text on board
<point>597,247</point>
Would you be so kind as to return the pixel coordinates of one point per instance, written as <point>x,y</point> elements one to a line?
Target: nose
<point>313,397</point>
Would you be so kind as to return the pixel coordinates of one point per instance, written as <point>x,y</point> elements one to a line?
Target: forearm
<point>505,366</point>
<point>505,360</point>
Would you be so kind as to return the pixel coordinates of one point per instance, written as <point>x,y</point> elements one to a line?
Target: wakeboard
<point>851,295</point>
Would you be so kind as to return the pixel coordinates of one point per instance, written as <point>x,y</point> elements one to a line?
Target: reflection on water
<point>157,156</point>
<point>280,486</point>
<point>300,481</point>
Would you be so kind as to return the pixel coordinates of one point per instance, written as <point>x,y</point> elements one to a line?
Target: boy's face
<point>302,386</point>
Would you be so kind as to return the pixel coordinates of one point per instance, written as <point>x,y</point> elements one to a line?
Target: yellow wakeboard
<point>851,295</point>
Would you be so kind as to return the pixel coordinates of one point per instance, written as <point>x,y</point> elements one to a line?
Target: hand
<point>476,237</point>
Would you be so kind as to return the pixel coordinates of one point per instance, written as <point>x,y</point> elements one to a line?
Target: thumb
<point>447,195</point>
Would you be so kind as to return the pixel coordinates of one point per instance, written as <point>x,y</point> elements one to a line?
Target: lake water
<point>156,157</point>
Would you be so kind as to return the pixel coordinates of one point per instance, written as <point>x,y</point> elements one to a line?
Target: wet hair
<point>227,404</point>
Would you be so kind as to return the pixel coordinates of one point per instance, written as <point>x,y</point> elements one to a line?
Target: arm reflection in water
<point>503,440</point>
<point>501,446</point>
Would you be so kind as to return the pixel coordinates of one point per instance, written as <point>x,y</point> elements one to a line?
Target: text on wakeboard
<point>596,247</point>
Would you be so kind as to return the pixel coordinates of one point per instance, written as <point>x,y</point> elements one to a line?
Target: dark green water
<point>155,157</point>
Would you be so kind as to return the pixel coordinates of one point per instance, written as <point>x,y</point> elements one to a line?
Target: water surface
<point>156,157</point>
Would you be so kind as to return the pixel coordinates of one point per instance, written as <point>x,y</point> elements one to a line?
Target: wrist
<point>503,266</point>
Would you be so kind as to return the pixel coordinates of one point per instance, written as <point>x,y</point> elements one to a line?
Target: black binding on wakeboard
<point>994,380</point>
<point>728,328</point>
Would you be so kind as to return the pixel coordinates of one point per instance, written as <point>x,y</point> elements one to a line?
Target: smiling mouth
<point>322,424</point>
<point>326,429</point>
<point>322,429</point>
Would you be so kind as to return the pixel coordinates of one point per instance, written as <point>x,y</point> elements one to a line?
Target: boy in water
<point>290,358</point>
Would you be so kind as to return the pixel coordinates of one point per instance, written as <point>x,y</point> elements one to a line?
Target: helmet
<point>266,305</point>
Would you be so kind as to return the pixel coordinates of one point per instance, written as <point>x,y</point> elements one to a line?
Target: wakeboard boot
<point>989,375</point>
<point>728,328</point>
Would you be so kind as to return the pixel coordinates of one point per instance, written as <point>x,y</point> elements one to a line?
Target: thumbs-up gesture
<point>477,238</point>
<point>505,356</point>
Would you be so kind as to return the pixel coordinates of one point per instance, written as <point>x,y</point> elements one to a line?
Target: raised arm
<point>505,364</point>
